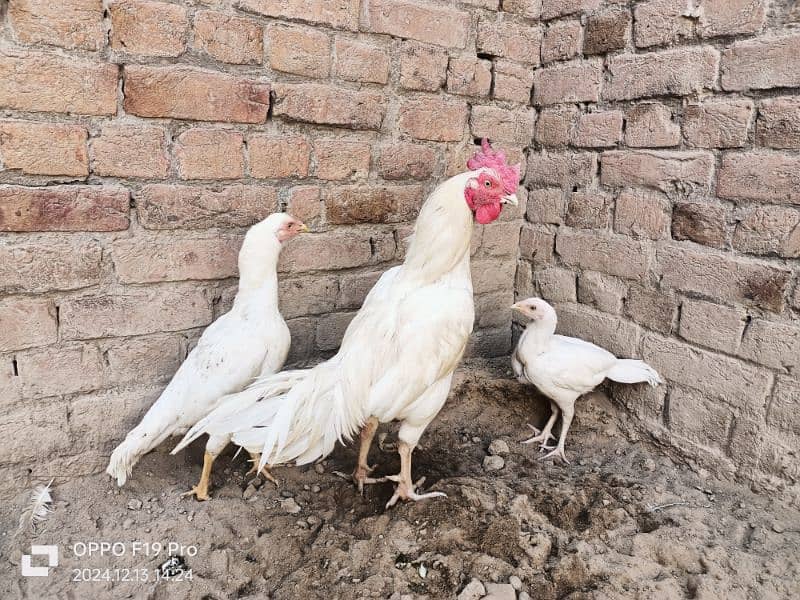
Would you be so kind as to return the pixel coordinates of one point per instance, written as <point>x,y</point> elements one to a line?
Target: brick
<point>779,123</point>
<point>134,312</point>
<point>661,22</point>
<point>339,14</point>
<point>305,204</point>
<point>546,206</point>
<point>650,125</point>
<point>721,277</point>
<point>554,126</point>
<point>331,329</point>
<point>664,170</point>
<point>694,417</point>
<point>303,348</point>
<point>433,118</point>
<point>57,265</point>
<point>335,250</point>
<point>412,20</point>
<point>301,296</point>
<point>299,50</point>
<point>536,246</point>
<point>607,31</point>
<point>70,24</point>
<point>768,230</point>
<point>510,40</point>
<point>512,126</point>
<point>469,76</point>
<point>491,310</point>
<point>601,291</point>
<point>775,345</point>
<point>39,82</point>
<point>642,214</point>
<point>530,9</point>
<point>619,256</point>
<point>147,259</point>
<point>512,81</point>
<point>766,176</point>
<point>293,154</point>
<point>492,274</point>
<point>699,222</point>
<point>381,204</point>
<point>561,169</point>
<point>187,93</point>
<point>559,8</point>
<point>44,148</point>
<point>680,72</point>
<point>718,376</point>
<point>148,28</point>
<point>361,62</point>
<point>41,428</point>
<point>130,151</point>
<point>64,208</point>
<point>556,285</point>
<point>162,206</point>
<point>328,105</point>
<point>730,17</point>
<point>338,159</point>
<point>717,123</point>
<point>598,130</point>
<point>153,359</point>
<point>712,325</point>
<point>354,287</point>
<point>402,160</point>
<point>562,40</point>
<point>575,81</point>
<point>490,343</point>
<point>783,410</point>
<point>650,308</point>
<point>422,67</point>
<point>761,64</point>
<point>27,322</point>
<point>210,154</point>
<point>500,239</point>
<point>588,210</point>
<point>227,38</point>
<point>612,333</point>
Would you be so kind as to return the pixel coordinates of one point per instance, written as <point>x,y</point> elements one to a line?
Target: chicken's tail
<point>628,370</point>
<point>141,439</point>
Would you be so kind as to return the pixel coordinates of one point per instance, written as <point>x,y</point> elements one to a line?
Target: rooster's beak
<point>516,306</point>
<point>304,228</point>
<point>510,199</point>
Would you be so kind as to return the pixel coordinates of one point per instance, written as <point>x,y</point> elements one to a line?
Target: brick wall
<point>663,217</point>
<point>139,139</point>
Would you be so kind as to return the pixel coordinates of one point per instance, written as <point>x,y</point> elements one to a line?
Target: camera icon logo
<point>28,570</point>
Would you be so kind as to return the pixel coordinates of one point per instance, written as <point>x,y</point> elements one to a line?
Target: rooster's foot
<point>360,476</point>
<point>199,492</point>
<point>255,458</point>
<point>557,452</point>
<point>539,436</point>
<point>406,491</point>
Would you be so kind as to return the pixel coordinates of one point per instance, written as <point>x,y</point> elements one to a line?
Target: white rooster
<point>564,368</point>
<point>398,355</point>
<point>251,339</point>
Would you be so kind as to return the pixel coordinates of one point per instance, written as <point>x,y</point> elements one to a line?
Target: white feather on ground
<point>39,508</point>
<point>563,368</point>
<point>251,339</point>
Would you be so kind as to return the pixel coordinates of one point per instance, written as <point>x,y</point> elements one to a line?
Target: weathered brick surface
<point>228,39</point>
<point>510,40</point>
<point>769,230</point>
<point>210,154</point>
<point>618,256</point>
<point>642,214</point>
<point>717,123</point>
<point>779,122</point>
<point>342,14</point>
<point>559,8</point>
<point>27,322</point>
<point>190,93</point>
<point>650,125</point>
<point>562,40</point>
<point>130,151</point>
<point>417,21</point>
<point>588,210</point>
<point>299,50</point>
<point>337,250</point>
<point>546,206</point>
<point>660,22</point>
<point>660,170</point>
<point>699,222</point>
<point>765,176</point>
<point>712,325</point>
<point>63,208</point>
<point>650,308</point>
<point>761,64</point>
<point>607,31</point>
<point>598,130</point>
<point>469,76</point>
<point>406,161</point>
<point>148,28</point>
<point>561,169</point>
<point>385,204</point>
<point>69,24</point>
<point>575,81</point>
<point>514,127</point>
<point>433,118</point>
<point>602,291</point>
<point>327,105</point>
<point>361,62</point>
<point>422,67</point>
<point>617,335</point>
<point>729,17</point>
<point>554,126</point>
<point>337,159</point>
<point>556,285</point>
<point>775,345</point>
<point>64,265</point>
<point>44,148</point>
<point>783,410</point>
<point>294,153</point>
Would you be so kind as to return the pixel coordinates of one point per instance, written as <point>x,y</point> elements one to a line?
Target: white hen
<point>251,338</point>
<point>398,354</point>
<point>564,368</point>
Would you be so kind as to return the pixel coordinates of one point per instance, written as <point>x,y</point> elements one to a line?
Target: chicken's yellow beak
<point>510,199</point>
<point>304,228</point>
<point>516,306</point>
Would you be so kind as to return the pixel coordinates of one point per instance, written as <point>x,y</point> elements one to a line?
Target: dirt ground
<point>622,521</point>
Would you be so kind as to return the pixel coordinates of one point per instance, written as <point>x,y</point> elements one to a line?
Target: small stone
<point>290,506</point>
<point>515,582</point>
<point>472,591</point>
<point>319,468</point>
<point>742,505</point>
<point>778,528</point>
<point>256,482</point>
<point>316,489</point>
<point>127,523</point>
<point>498,447</point>
<point>306,487</point>
<point>493,463</point>
<point>301,524</point>
<point>500,591</point>
<point>524,596</point>
<point>287,494</point>
<point>312,520</point>
<point>190,518</point>
<point>249,492</point>
<point>476,440</point>
<point>134,504</point>
<point>648,464</point>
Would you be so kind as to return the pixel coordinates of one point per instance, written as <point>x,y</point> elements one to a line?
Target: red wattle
<point>488,213</point>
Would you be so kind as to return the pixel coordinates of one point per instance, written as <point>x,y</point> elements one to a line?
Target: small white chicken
<point>251,339</point>
<point>564,368</point>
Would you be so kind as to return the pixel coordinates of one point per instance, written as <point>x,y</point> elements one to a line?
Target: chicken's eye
<point>488,183</point>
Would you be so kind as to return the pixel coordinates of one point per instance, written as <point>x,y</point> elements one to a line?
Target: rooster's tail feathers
<point>634,371</point>
<point>135,445</point>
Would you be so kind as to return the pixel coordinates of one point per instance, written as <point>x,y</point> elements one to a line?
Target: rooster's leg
<point>405,489</point>
<point>255,458</point>
<point>200,491</point>
<point>544,435</point>
<point>361,473</point>
<point>567,411</point>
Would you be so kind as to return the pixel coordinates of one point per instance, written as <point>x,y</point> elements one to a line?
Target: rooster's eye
<point>488,183</point>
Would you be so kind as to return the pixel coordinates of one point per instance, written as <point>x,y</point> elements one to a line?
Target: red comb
<point>487,157</point>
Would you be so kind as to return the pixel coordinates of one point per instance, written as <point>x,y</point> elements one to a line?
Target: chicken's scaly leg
<point>361,473</point>
<point>544,435</point>
<point>255,458</point>
<point>567,412</point>
<point>405,489</point>
<point>200,491</point>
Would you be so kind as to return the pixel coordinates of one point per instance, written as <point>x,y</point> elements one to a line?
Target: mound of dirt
<point>622,521</point>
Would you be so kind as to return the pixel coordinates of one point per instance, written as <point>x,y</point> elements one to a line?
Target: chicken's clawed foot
<point>265,473</point>
<point>360,476</point>
<point>557,452</point>
<point>406,491</point>
<point>539,436</point>
<point>201,493</point>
